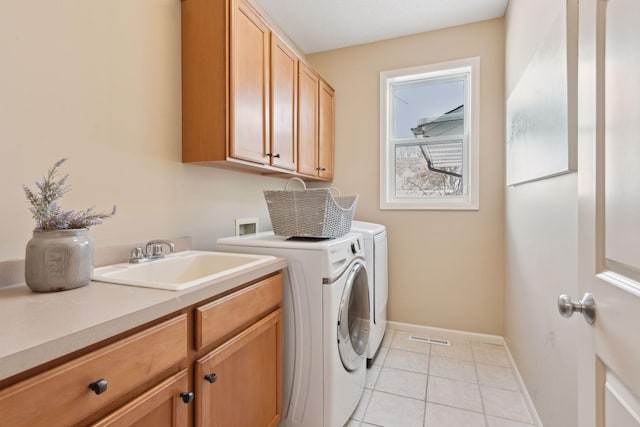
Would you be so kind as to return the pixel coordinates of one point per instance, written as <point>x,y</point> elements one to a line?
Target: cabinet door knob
<point>277,156</point>
<point>99,387</point>
<point>211,378</point>
<point>321,169</point>
<point>187,396</point>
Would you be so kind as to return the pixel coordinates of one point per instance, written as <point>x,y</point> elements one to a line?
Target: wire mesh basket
<point>310,212</point>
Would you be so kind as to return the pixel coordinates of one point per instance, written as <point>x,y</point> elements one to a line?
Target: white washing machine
<point>326,324</point>
<point>375,245</point>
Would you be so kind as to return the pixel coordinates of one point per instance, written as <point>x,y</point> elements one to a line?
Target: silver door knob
<point>586,306</point>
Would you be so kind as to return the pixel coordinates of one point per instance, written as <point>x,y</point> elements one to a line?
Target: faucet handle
<point>137,254</point>
<point>156,247</point>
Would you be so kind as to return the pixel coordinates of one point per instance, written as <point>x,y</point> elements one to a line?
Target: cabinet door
<point>159,407</point>
<point>326,131</point>
<point>307,121</point>
<point>249,91</point>
<point>240,383</point>
<point>205,100</point>
<point>284,93</point>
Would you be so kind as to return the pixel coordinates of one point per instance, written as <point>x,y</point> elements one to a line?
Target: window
<point>429,136</point>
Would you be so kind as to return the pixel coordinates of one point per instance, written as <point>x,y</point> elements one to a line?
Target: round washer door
<point>354,318</point>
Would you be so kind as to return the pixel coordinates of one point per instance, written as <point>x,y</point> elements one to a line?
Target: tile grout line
<point>364,413</point>
<point>426,391</point>
<point>475,368</point>
<point>396,394</point>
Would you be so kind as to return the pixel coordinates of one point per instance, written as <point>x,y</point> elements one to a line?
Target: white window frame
<point>469,201</point>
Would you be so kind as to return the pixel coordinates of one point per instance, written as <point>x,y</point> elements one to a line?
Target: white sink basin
<point>179,270</point>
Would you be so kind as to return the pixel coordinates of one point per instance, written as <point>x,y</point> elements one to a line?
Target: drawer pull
<point>187,396</point>
<point>99,386</point>
<point>211,378</point>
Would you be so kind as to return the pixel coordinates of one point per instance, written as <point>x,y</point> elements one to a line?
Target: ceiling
<point>320,25</point>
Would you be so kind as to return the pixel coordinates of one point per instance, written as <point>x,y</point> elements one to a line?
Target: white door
<point>609,211</point>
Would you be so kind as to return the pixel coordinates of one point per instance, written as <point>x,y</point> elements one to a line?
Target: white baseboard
<point>532,409</point>
<point>432,332</point>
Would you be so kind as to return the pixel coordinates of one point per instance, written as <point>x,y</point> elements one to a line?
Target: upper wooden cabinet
<point>307,121</point>
<point>249,85</point>
<point>315,125</point>
<point>225,82</point>
<point>284,101</point>
<point>241,95</point>
<point>326,132</point>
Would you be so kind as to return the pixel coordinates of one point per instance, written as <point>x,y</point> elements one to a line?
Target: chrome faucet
<point>151,251</point>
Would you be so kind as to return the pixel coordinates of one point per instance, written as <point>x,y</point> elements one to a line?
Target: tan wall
<point>541,252</point>
<point>99,82</point>
<point>445,267</point>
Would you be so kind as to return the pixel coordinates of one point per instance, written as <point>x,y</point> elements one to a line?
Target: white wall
<point>445,268</point>
<point>540,251</point>
<point>99,82</point>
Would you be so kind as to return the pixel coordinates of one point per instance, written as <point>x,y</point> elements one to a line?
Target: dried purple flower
<point>49,215</point>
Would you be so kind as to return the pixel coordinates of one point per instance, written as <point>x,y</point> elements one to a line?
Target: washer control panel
<point>340,256</point>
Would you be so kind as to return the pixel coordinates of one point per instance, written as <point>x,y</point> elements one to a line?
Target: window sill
<point>432,205</point>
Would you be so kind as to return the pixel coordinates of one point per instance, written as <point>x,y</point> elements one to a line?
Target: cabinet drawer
<point>220,317</point>
<point>61,396</point>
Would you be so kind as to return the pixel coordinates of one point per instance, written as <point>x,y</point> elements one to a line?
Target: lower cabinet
<point>165,405</point>
<point>75,391</point>
<point>231,377</point>
<point>235,383</point>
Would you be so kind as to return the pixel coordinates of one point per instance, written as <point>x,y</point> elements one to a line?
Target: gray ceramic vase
<point>59,260</point>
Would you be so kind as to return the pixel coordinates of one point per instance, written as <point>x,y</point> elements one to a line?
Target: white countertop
<point>38,327</point>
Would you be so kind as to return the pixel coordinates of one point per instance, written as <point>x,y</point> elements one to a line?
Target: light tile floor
<point>466,384</point>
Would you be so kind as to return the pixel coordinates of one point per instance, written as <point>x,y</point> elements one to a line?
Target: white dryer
<point>375,245</point>
<point>326,324</point>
